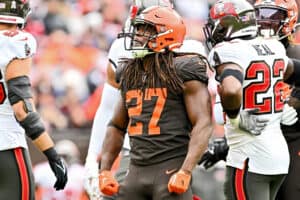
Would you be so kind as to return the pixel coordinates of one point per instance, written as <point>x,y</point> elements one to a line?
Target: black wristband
<point>51,154</point>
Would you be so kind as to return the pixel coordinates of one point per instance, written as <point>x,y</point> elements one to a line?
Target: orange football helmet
<point>279,15</point>
<point>142,4</point>
<point>169,29</point>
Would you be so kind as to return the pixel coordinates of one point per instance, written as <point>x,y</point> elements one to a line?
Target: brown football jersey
<point>159,127</point>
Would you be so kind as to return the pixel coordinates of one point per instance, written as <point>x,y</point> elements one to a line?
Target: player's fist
<point>179,182</point>
<point>108,184</point>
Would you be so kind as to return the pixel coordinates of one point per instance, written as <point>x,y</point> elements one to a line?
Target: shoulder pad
<point>117,51</point>
<point>119,71</point>
<point>225,52</point>
<point>191,68</point>
<point>18,44</point>
<point>192,46</point>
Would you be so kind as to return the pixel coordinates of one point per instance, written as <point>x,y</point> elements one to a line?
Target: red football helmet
<point>278,16</point>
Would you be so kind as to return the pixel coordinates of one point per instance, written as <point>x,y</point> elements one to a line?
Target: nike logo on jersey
<point>171,171</point>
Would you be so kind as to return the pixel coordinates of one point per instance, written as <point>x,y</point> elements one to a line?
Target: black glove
<point>217,151</point>
<point>58,167</point>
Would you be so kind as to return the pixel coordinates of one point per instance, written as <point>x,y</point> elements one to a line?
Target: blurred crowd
<point>69,69</point>
<point>73,40</point>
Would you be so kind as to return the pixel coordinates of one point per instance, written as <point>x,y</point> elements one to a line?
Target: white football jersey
<point>263,63</point>
<point>13,44</point>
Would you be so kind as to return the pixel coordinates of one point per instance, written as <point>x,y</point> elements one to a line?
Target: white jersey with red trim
<point>13,44</point>
<point>263,63</point>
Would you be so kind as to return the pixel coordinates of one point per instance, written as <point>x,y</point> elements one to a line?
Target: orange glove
<point>179,182</point>
<point>108,184</point>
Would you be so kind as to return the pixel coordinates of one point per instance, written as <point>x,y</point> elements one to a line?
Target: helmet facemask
<point>271,21</point>
<point>141,33</point>
<point>277,17</point>
<point>161,28</point>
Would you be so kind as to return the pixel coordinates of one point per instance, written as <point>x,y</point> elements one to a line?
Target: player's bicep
<point>197,101</point>
<point>18,67</point>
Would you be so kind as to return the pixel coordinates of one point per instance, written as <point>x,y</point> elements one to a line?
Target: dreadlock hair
<point>152,71</point>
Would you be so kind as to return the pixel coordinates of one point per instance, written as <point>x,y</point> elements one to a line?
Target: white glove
<point>91,179</point>
<point>289,115</point>
<point>249,121</point>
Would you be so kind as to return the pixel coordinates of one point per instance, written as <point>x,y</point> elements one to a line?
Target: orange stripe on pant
<point>23,173</point>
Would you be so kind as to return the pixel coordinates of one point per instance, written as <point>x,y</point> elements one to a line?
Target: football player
<point>278,18</point>
<point>109,97</point>
<point>251,71</point>
<point>18,115</point>
<point>275,19</point>
<point>164,105</point>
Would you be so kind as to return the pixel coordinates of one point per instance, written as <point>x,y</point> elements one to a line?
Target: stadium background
<point>70,65</point>
<point>69,69</point>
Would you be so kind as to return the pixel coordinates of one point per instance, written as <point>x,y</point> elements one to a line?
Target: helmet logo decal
<point>133,12</point>
<point>222,9</point>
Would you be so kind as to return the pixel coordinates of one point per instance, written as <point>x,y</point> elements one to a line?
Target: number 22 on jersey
<point>157,95</point>
<point>272,101</point>
<point>2,90</point>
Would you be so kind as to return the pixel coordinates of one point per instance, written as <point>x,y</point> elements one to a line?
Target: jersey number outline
<point>2,90</point>
<point>139,97</point>
<point>269,104</point>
